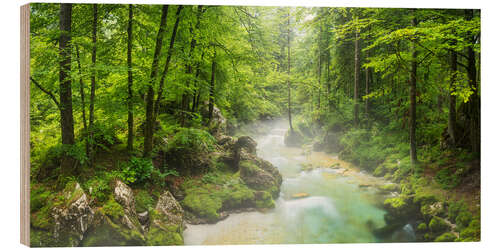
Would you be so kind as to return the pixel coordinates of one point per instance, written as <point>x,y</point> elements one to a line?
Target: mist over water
<point>336,209</point>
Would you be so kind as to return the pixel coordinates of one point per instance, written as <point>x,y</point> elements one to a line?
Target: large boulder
<point>260,175</point>
<point>166,222</point>
<point>125,197</point>
<point>116,223</point>
<point>72,216</point>
<point>235,150</point>
<point>246,143</point>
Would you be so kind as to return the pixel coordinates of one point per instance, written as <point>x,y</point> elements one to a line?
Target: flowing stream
<point>336,210</point>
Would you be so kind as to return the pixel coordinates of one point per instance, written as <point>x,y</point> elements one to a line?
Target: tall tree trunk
<point>196,95</point>
<point>130,119</point>
<point>189,65</point>
<point>65,94</point>
<point>211,99</point>
<point>473,106</point>
<point>149,124</point>
<point>452,114</point>
<point>82,98</point>
<point>368,78</point>
<point>167,63</point>
<point>356,78</point>
<point>198,100</point>
<point>92,87</point>
<point>288,72</point>
<point>319,67</point>
<point>328,80</point>
<point>413,99</point>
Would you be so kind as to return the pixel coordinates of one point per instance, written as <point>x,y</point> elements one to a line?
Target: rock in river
<point>300,195</point>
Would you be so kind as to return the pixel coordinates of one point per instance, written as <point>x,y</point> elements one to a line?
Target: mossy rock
<point>434,209</point>
<point>422,227</point>
<point>379,171</point>
<point>166,222</point>
<point>437,225</point>
<point>424,198</point>
<point>472,232</point>
<point>42,238</point>
<point>463,219</point>
<point>238,196</point>
<point>67,217</point>
<point>203,205</point>
<point>446,237</point>
<point>264,199</point>
<point>255,177</point>
<point>109,231</point>
<point>396,202</point>
<point>399,210</point>
<point>42,219</point>
<point>164,235</point>
<point>112,209</point>
<point>390,187</point>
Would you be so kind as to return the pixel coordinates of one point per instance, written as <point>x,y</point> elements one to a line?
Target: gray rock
<point>166,222</point>
<point>143,217</point>
<point>247,143</point>
<point>72,219</point>
<point>125,197</point>
<point>169,209</point>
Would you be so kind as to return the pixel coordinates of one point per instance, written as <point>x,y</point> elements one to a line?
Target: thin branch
<point>46,92</point>
<point>434,53</point>
<point>423,59</point>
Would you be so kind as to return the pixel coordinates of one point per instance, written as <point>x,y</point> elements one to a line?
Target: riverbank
<point>141,201</point>
<point>330,202</point>
<point>439,197</point>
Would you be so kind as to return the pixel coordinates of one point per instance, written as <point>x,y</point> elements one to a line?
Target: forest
<point>157,124</point>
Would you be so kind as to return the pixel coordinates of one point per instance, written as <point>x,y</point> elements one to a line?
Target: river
<point>336,210</point>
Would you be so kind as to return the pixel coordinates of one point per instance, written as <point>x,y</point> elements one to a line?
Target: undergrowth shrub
<point>193,140</point>
<point>447,178</point>
<point>137,170</point>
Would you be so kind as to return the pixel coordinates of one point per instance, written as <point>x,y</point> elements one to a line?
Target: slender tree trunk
<point>211,99</point>
<point>149,124</point>
<point>189,66</point>
<point>356,78</point>
<point>473,106</point>
<point>368,81</point>
<point>65,94</point>
<point>413,100</point>
<point>452,114</point>
<point>368,77</point>
<point>193,101</point>
<point>92,87</point>
<point>319,67</point>
<point>82,98</point>
<point>130,119</point>
<point>196,95</point>
<point>198,100</point>
<point>288,72</point>
<point>167,63</point>
<point>328,80</point>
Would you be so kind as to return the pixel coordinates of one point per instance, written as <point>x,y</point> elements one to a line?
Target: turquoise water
<point>336,209</point>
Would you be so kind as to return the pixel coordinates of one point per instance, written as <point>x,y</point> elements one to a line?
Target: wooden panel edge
<point>25,123</point>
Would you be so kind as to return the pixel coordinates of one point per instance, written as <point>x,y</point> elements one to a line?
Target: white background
<point>490,93</point>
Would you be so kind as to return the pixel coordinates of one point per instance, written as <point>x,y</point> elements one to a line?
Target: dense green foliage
<point>153,90</point>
